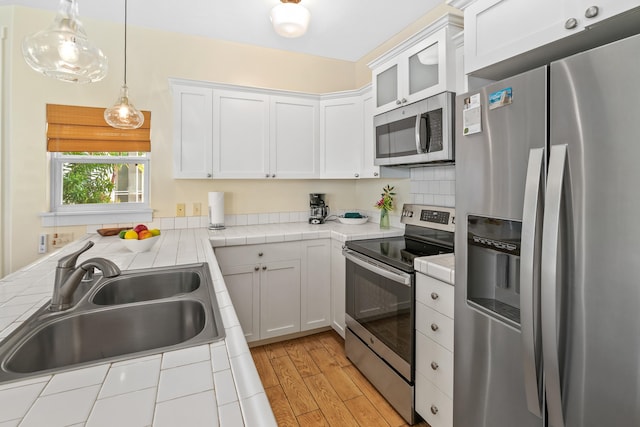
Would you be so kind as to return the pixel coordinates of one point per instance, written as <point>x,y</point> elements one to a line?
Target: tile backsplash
<point>433,185</point>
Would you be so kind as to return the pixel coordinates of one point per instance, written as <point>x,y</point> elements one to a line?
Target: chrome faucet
<point>68,276</point>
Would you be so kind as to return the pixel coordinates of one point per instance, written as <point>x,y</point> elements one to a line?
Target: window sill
<point>59,219</point>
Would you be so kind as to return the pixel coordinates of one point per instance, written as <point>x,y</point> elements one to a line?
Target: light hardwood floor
<point>310,382</point>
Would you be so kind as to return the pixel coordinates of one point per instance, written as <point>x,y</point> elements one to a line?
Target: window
<point>91,182</point>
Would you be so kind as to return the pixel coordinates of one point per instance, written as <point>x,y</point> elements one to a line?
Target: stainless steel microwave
<point>417,133</point>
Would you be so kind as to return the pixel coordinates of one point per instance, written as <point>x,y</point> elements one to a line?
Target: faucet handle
<point>69,261</point>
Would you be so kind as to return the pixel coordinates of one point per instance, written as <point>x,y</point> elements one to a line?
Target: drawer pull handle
<point>434,409</point>
<point>434,366</point>
<point>264,267</point>
<point>434,296</point>
<point>260,253</point>
<point>434,327</point>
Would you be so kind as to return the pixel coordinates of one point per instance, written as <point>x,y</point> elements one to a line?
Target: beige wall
<point>153,57</point>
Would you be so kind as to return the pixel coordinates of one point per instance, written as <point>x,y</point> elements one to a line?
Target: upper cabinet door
<point>421,67</point>
<point>342,137</point>
<point>497,30</point>
<point>192,131</point>
<point>294,142</point>
<point>241,135</point>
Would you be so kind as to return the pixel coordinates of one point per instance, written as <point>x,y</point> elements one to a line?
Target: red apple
<point>138,228</point>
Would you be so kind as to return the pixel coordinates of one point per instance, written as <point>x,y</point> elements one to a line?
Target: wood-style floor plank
<point>333,408</point>
<point>281,407</point>
<point>265,369</point>
<point>313,419</point>
<point>364,412</point>
<point>298,395</point>
<point>310,382</point>
<point>301,358</point>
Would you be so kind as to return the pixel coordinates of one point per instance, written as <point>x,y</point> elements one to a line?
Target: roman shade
<point>74,128</point>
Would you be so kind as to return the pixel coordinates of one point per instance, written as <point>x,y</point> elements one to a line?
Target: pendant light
<point>63,51</point>
<point>290,19</point>
<point>123,114</point>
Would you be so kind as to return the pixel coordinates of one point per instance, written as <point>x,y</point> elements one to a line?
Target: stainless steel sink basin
<point>138,313</point>
<point>136,287</point>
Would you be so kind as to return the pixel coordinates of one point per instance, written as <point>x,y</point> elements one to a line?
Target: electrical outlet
<point>180,209</point>
<point>197,210</point>
<point>58,240</point>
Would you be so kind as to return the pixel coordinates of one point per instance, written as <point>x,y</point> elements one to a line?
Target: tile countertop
<point>211,384</point>
<point>441,267</point>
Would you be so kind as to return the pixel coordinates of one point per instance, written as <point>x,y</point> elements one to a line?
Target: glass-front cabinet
<point>422,66</point>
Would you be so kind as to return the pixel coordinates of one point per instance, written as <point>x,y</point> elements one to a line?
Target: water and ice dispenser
<point>493,282</point>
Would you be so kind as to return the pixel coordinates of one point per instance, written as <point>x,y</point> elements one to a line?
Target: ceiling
<point>340,29</point>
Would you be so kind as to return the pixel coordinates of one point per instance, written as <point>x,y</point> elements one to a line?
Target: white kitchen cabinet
<point>192,131</point>
<point>279,298</point>
<point>338,291</point>
<point>243,284</point>
<point>496,30</point>
<point>420,67</point>
<point>346,135</point>
<point>294,141</point>
<point>224,131</point>
<point>434,350</point>
<point>241,134</point>
<point>315,288</point>
<point>278,288</point>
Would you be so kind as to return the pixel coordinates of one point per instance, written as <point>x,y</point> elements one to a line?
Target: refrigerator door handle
<point>549,285</point>
<point>530,280</point>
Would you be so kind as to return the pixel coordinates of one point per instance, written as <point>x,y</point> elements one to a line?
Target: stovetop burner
<point>428,231</point>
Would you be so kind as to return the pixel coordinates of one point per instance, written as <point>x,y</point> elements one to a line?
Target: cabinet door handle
<point>256,268</point>
<point>398,102</point>
<point>375,174</point>
<point>434,366</point>
<point>357,175</point>
<point>434,296</point>
<point>209,175</point>
<point>266,176</point>
<point>434,409</point>
<point>264,267</point>
<point>273,175</point>
<point>434,327</point>
<point>571,23</point>
<point>404,100</point>
<point>591,12</point>
<point>260,253</point>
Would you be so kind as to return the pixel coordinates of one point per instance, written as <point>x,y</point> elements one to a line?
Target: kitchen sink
<point>138,313</point>
<point>135,287</point>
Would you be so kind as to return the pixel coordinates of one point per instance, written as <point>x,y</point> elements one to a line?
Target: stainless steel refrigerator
<point>547,294</point>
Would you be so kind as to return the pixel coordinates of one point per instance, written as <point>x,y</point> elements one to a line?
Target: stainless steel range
<point>380,301</point>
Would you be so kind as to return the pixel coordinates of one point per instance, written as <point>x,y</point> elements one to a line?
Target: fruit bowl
<point>353,221</point>
<point>143,245</point>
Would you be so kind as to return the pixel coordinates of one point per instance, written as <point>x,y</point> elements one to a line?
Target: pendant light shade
<point>63,50</point>
<point>123,114</point>
<point>290,19</point>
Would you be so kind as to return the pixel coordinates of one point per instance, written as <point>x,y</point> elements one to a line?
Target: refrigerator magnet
<point>471,116</point>
<point>500,98</point>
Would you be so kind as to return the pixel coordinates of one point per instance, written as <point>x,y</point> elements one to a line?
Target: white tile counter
<point>441,267</point>
<point>211,384</point>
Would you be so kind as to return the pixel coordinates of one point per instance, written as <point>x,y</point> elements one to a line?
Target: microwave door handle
<point>549,283</point>
<point>530,280</point>
<point>419,149</point>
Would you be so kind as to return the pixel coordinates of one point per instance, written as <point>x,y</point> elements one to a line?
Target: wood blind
<point>74,128</point>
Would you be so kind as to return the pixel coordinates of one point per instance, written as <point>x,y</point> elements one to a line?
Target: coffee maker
<point>318,210</point>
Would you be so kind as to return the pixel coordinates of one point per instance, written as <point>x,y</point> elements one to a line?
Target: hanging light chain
<point>125,41</point>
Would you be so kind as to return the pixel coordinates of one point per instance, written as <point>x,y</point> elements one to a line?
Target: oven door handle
<point>387,272</point>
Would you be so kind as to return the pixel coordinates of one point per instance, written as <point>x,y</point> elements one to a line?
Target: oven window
<point>383,307</point>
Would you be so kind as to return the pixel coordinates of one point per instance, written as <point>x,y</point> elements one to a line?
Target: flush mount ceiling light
<point>63,51</point>
<point>123,114</point>
<point>290,19</point>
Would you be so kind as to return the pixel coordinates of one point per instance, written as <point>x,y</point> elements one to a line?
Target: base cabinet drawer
<point>432,404</point>
<point>435,363</point>
<point>434,325</point>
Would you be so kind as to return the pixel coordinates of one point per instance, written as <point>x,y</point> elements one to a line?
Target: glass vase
<point>384,219</point>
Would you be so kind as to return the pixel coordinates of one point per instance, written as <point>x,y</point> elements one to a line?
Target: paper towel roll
<point>216,210</point>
